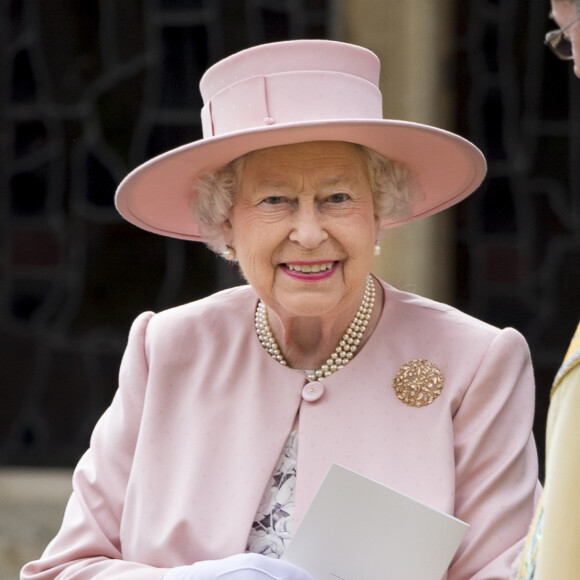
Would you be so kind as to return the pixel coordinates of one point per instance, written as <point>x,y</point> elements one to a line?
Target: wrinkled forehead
<point>308,152</point>
<point>331,160</point>
<point>318,155</point>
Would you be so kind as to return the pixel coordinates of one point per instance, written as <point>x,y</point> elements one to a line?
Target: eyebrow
<point>345,179</point>
<point>338,179</point>
<point>273,187</point>
<point>273,183</point>
<point>323,181</point>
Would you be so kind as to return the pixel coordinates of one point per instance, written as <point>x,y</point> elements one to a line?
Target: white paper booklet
<point>358,529</point>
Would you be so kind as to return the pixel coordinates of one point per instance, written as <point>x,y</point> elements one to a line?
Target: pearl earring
<point>377,249</point>
<point>229,253</point>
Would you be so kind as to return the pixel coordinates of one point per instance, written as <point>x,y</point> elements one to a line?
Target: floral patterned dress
<point>270,534</point>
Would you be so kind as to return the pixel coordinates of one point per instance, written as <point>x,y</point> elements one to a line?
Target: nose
<point>308,229</point>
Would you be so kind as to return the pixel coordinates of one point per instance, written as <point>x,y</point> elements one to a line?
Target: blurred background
<point>89,89</point>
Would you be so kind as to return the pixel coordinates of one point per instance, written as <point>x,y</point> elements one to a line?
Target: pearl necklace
<point>346,348</point>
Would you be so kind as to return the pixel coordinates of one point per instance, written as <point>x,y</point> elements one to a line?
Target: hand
<point>246,566</point>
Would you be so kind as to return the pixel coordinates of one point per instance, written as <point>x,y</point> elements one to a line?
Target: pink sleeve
<point>87,545</point>
<point>496,461</point>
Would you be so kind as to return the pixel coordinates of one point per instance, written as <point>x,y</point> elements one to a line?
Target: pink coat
<point>178,463</point>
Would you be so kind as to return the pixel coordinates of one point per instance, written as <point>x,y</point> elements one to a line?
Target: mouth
<point>310,268</point>
<point>310,271</point>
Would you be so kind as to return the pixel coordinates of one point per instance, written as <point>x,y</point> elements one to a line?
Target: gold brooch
<point>418,382</point>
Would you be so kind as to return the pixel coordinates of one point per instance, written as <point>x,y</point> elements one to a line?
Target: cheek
<point>254,256</point>
<point>251,225</point>
<point>365,227</point>
<point>237,231</point>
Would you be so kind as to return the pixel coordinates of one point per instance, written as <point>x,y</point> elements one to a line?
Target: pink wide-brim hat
<point>292,92</point>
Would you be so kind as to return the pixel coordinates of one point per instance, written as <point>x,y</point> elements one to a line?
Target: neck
<point>307,342</point>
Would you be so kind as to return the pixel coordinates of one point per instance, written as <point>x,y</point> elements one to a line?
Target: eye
<point>275,203</point>
<point>274,200</point>
<point>338,198</point>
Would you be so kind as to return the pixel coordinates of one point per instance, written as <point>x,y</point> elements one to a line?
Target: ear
<point>378,231</point>
<point>227,232</point>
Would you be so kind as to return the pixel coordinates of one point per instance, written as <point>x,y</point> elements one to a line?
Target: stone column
<point>413,39</point>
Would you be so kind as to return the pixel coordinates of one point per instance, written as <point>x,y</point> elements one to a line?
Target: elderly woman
<point>231,409</point>
<point>551,549</point>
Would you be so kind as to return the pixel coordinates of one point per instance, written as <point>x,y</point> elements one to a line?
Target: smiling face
<point>564,13</point>
<point>304,228</point>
